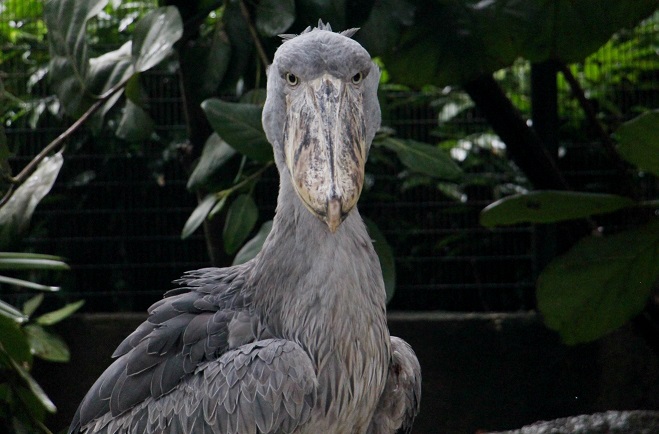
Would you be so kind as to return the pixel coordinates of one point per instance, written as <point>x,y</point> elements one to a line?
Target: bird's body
<point>293,341</point>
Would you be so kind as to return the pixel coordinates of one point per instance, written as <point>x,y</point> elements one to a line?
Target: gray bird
<point>295,340</point>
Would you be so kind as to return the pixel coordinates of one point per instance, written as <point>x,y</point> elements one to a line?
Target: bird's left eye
<point>291,79</point>
<point>357,78</point>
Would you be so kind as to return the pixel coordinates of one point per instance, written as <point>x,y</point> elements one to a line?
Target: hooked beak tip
<point>333,217</point>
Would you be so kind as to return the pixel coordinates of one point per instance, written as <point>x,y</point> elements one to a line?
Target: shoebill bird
<point>296,340</point>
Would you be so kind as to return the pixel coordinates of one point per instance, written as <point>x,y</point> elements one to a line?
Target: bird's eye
<point>291,79</point>
<point>357,78</point>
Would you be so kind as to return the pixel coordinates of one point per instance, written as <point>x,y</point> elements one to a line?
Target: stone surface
<point>610,422</point>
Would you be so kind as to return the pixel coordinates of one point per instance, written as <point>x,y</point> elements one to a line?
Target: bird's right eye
<point>291,79</point>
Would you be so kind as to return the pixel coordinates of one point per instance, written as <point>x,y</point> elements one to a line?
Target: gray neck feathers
<point>313,283</point>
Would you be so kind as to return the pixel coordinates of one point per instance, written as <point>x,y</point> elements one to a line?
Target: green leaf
<point>27,284</point>
<point>108,70</point>
<point>600,284</point>
<point>154,37</point>
<point>253,246</point>
<point>274,16</point>
<point>453,42</point>
<point>29,256</point>
<point>27,263</point>
<point>241,218</point>
<point>216,152</point>
<point>198,215</point>
<point>66,21</point>
<point>135,125</point>
<point>550,207</point>
<point>242,47</point>
<point>240,126</point>
<point>30,306</point>
<point>381,30</point>
<point>46,345</point>
<point>207,63</point>
<point>639,141</point>
<point>58,315</point>
<point>9,311</point>
<point>13,341</point>
<point>423,158</point>
<point>36,390</point>
<point>218,206</point>
<point>386,257</point>
<point>15,215</point>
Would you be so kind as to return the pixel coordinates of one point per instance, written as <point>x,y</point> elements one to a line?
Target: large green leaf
<point>36,390</point>
<point>422,157</point>
<point>108,70</point>
<point>386,257</point>
<point>639,141</point>
<point>9,311</point>
<point>216,152</point>
<point>241,218</point>
<point>550,207</point>
<point>58,315</point>
<point>15,215</point>
<point>204,65</point>
<point>242,46</point>
<point>274,16</point>
<point>198,215</point>
<point>154,37</point>
<point>240,126</point>
<point>253,246</point>
<point>13,341</point>
<point>135,125</point>
<point>46,345</point>
<point>383,26</point>
<point>454,41</point>
<point>600,284</point>
<point>66,21</point>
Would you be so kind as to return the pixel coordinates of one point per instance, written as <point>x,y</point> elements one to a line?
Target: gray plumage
<point>295,340</point>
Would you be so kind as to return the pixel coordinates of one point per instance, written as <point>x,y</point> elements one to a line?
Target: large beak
<point>325,147</point>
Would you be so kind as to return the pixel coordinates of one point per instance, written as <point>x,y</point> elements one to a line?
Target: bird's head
<point>320,115</point>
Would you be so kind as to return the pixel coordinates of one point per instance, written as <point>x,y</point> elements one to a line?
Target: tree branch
<point>591,115</point>
<point>522,143</point>
<point>59,140</point>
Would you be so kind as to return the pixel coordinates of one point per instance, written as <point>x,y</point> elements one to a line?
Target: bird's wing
<point>267,386</point>
<point>197,323</point>
<point>400,401</point>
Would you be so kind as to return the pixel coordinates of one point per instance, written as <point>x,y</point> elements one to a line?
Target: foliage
<point>454,42</point>
<point>84,85</point>
<point>603,281</point>
<point>23,336</point>
<point>222,48</point>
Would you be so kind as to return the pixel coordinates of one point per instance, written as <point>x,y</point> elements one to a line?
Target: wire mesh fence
<point>117,210</point>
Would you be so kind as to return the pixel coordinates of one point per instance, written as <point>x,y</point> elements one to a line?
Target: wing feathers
<point>270,373</point>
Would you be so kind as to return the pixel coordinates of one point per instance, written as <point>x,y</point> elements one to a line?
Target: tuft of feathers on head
<point>321,26</point>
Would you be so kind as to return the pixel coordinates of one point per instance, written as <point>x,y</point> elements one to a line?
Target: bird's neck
<point>315,282</point>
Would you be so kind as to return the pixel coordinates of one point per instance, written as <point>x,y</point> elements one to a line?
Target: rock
<point>610,422</point>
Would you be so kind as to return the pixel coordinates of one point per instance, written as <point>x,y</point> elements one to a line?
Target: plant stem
<point>250,178</point>
<point>255,36</point>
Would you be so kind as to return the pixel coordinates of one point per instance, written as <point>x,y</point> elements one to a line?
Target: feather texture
<point>293,341</point>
